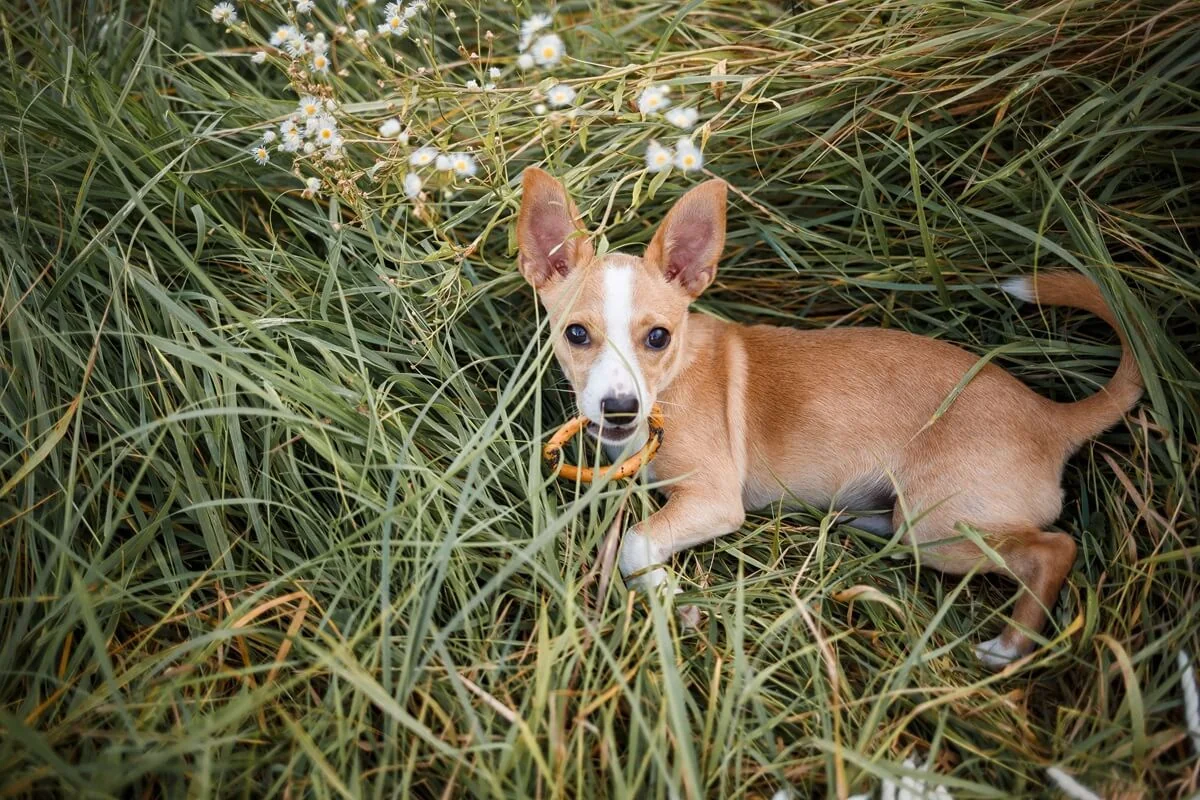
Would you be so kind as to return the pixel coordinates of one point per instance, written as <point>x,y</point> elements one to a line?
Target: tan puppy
<point>840,418</point>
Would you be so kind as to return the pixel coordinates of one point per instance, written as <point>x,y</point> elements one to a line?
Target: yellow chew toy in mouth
<point>552,452</point>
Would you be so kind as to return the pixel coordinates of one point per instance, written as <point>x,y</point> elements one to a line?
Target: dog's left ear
<point>689,242</point>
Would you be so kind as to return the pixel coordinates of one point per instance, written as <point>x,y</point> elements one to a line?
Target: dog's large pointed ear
<point>689,242</point>
<point>550,237</point>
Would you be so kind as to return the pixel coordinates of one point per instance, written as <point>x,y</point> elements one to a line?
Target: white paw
<point>996,654</point>
<point>637,554</point>
<point>689,617</point>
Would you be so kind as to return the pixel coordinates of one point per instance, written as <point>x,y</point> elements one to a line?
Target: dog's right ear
<point>550,238</point>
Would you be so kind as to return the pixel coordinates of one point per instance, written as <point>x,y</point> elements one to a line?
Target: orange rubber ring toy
<point>552,452</point>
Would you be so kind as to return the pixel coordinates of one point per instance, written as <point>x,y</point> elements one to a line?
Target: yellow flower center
<point>547,52</point>
<point>310,109</point>
<point>394,22</point>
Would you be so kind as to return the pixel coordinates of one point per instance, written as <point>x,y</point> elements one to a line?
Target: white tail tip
<point>1020,288</point>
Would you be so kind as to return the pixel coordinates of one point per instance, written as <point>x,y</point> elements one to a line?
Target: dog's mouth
<point>611,433</point>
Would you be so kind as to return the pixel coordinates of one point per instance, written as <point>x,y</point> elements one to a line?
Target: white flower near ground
<point>684,118</point>
<point>224,14</point>
<point>403,138</point>
<point>489,87</point>
<point>268,137</point>
<point>309,106</point>
<point>305,6</point>
<point>463,164</point>
<point>494,72</point>
<point>687,156</point>
<point>260,154</point>
<point>319,43</point>
<point>442,164</point>
<point>412,185</point>
<point>658,157</point>
<point>389,128</point>
<point>525,61</point>
<point>282,34</point>
<point>320,63</point>
<point>309,148</point>
<point>288,128</point>
<point>653,98</point>
<point>259,57</point>
<point>423,156</point>
<point>330,105</point>
<point>312,187</point>
<point>539,109</point>
<point>291,142</point>
<point>473,85</point>
<point>361,35</point>
<point>548,50</point>
<point>561,95</point>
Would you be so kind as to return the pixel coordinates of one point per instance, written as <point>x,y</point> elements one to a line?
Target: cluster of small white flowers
<point>685,155</point>
<point>397,15</point>
<point>654,100</point>
<point>537,48</point>
<point>458,164</point>
<point>309,129</point>
<point>908,788</point>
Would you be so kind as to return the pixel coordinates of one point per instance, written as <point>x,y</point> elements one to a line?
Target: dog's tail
<point>1093,415</point>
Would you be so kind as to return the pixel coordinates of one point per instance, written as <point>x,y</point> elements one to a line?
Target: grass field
<point>273,521</point>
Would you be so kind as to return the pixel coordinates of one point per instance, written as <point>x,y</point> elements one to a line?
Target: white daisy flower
<point>658,157</point>
<point>442,164</point>
<point>309,107</point>
<point>282,34</point>
<point>422,156</point>
<point>411,11</point>
<point>683,117</point>
<point>653,98</point>
<point>540,108</point>
<point>291,142</point>
<point>268,136</point>
<point>389,128</point>
<point>494,72</point>
<point>394,25</point>
<point>561,95</point>
<point>463,164</point>
<point>412,185</point>
<point>548,50</point>
<point>259,57</point>
<point>305,6</point>
<point>288,128</point>
<point>326,132</point>
<point>472,85</point>
<point>320,44</point>
<point>525,61</point>
<point>260,154</point>
<point>224,14</point>
<point>320,62</point>
<point>312,187</point>
<point>296,46</point>
<point>687,156</point>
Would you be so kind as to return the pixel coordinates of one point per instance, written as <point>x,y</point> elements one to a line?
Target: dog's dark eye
<point>658,338</point>
<point>577,334</point>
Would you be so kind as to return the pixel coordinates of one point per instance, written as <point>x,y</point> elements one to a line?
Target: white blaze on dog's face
<point>619,322</point>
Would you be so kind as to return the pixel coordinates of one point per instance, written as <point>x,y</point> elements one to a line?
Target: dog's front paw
<point>690,617</point>
<point>997,654</point>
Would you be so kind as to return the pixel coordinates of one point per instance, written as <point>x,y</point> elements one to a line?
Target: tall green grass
<point>272,516</point>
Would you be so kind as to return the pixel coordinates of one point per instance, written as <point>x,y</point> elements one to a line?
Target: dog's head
<point>619,322</point>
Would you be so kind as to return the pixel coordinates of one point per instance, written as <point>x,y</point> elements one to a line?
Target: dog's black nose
<point>620,409</point>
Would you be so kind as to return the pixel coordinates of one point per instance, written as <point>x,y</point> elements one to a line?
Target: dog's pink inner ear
<point>549,236</point>
<point>690,240</point>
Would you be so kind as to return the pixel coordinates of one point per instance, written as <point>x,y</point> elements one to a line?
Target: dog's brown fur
<point>842,418</point>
